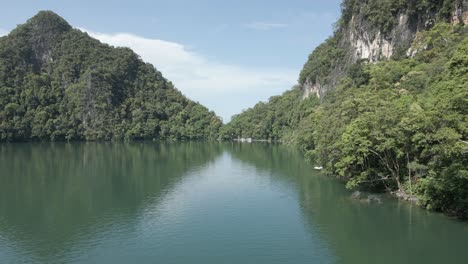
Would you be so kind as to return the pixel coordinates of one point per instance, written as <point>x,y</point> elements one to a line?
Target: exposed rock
<point>404,196</point>
<point>362,41</point>
<point>309,88</point>
<point>46,28</point>
<point>460,13</point>
<point>366,198</point>
<point>356,195</point>
<point>374,198</point>
<point>371,199</point>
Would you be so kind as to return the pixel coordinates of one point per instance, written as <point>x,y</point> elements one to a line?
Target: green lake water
<point>148,202</point>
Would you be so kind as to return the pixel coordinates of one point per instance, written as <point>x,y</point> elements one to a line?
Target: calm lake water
<point>201,203</point>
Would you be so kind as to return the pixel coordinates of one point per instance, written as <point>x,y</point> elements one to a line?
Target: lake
<point>194,202</point>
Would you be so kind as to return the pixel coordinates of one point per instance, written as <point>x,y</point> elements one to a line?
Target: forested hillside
<point>274,120</point>
<point>386,122</point>
<point>58,83</point>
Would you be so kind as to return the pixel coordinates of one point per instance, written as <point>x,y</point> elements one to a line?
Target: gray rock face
<point>46,28</point>
<point>460,12</point>
<point>362,41</point>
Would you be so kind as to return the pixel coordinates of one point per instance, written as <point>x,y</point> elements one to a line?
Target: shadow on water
<point>52,193</point>
<point>358,231</point>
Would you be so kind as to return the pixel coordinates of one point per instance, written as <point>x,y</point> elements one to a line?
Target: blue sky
<point>227,55</point>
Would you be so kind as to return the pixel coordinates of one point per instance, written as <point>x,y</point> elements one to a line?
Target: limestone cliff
<point>369,32</point>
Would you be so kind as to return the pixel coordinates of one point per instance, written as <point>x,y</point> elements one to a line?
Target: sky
<point>227,55</point>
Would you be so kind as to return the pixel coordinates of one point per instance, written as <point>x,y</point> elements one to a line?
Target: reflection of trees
<point>51,192</point>
<point>281,161</point>
<point>357,232</point>
<point>392,232</point>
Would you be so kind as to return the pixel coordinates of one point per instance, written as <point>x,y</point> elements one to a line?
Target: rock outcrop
<point>361,40</point>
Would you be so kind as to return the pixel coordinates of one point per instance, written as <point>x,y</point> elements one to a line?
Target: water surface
<point>151,202</point>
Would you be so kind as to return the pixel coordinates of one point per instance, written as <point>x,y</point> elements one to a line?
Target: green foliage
<point>405,128</point>
<point>275,120</point>
<point>394,125</point>
<point>321,61</point>
<point>383,14</point>
<point>57,83</point>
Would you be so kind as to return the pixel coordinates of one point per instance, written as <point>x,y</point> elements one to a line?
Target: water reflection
<point>360,232</point>
<point>201,202</point>
<point>54,195</point>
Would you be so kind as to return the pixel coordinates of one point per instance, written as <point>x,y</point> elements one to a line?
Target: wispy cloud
<point>265,25</point>
<point>223,87</point>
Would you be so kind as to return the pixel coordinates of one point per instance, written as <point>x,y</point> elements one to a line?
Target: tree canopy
<point>396,125</point>
<point>58,83</point>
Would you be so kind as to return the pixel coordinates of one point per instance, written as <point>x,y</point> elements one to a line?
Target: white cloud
<point>224,88</point>
<point>265,25</point>
<point>3,32</point>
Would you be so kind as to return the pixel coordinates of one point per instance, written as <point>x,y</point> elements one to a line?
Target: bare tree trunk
<point>409,172</point>
<point>397,174</point>
<point>397,178</point>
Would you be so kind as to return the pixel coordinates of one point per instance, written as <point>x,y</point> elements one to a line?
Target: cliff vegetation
<point>383,103</point>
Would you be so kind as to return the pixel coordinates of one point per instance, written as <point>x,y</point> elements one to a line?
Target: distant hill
<point>58,83</point>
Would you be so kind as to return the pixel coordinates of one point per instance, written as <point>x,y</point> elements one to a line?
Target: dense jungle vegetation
<point>396,125</point>
<point>58,83</point>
